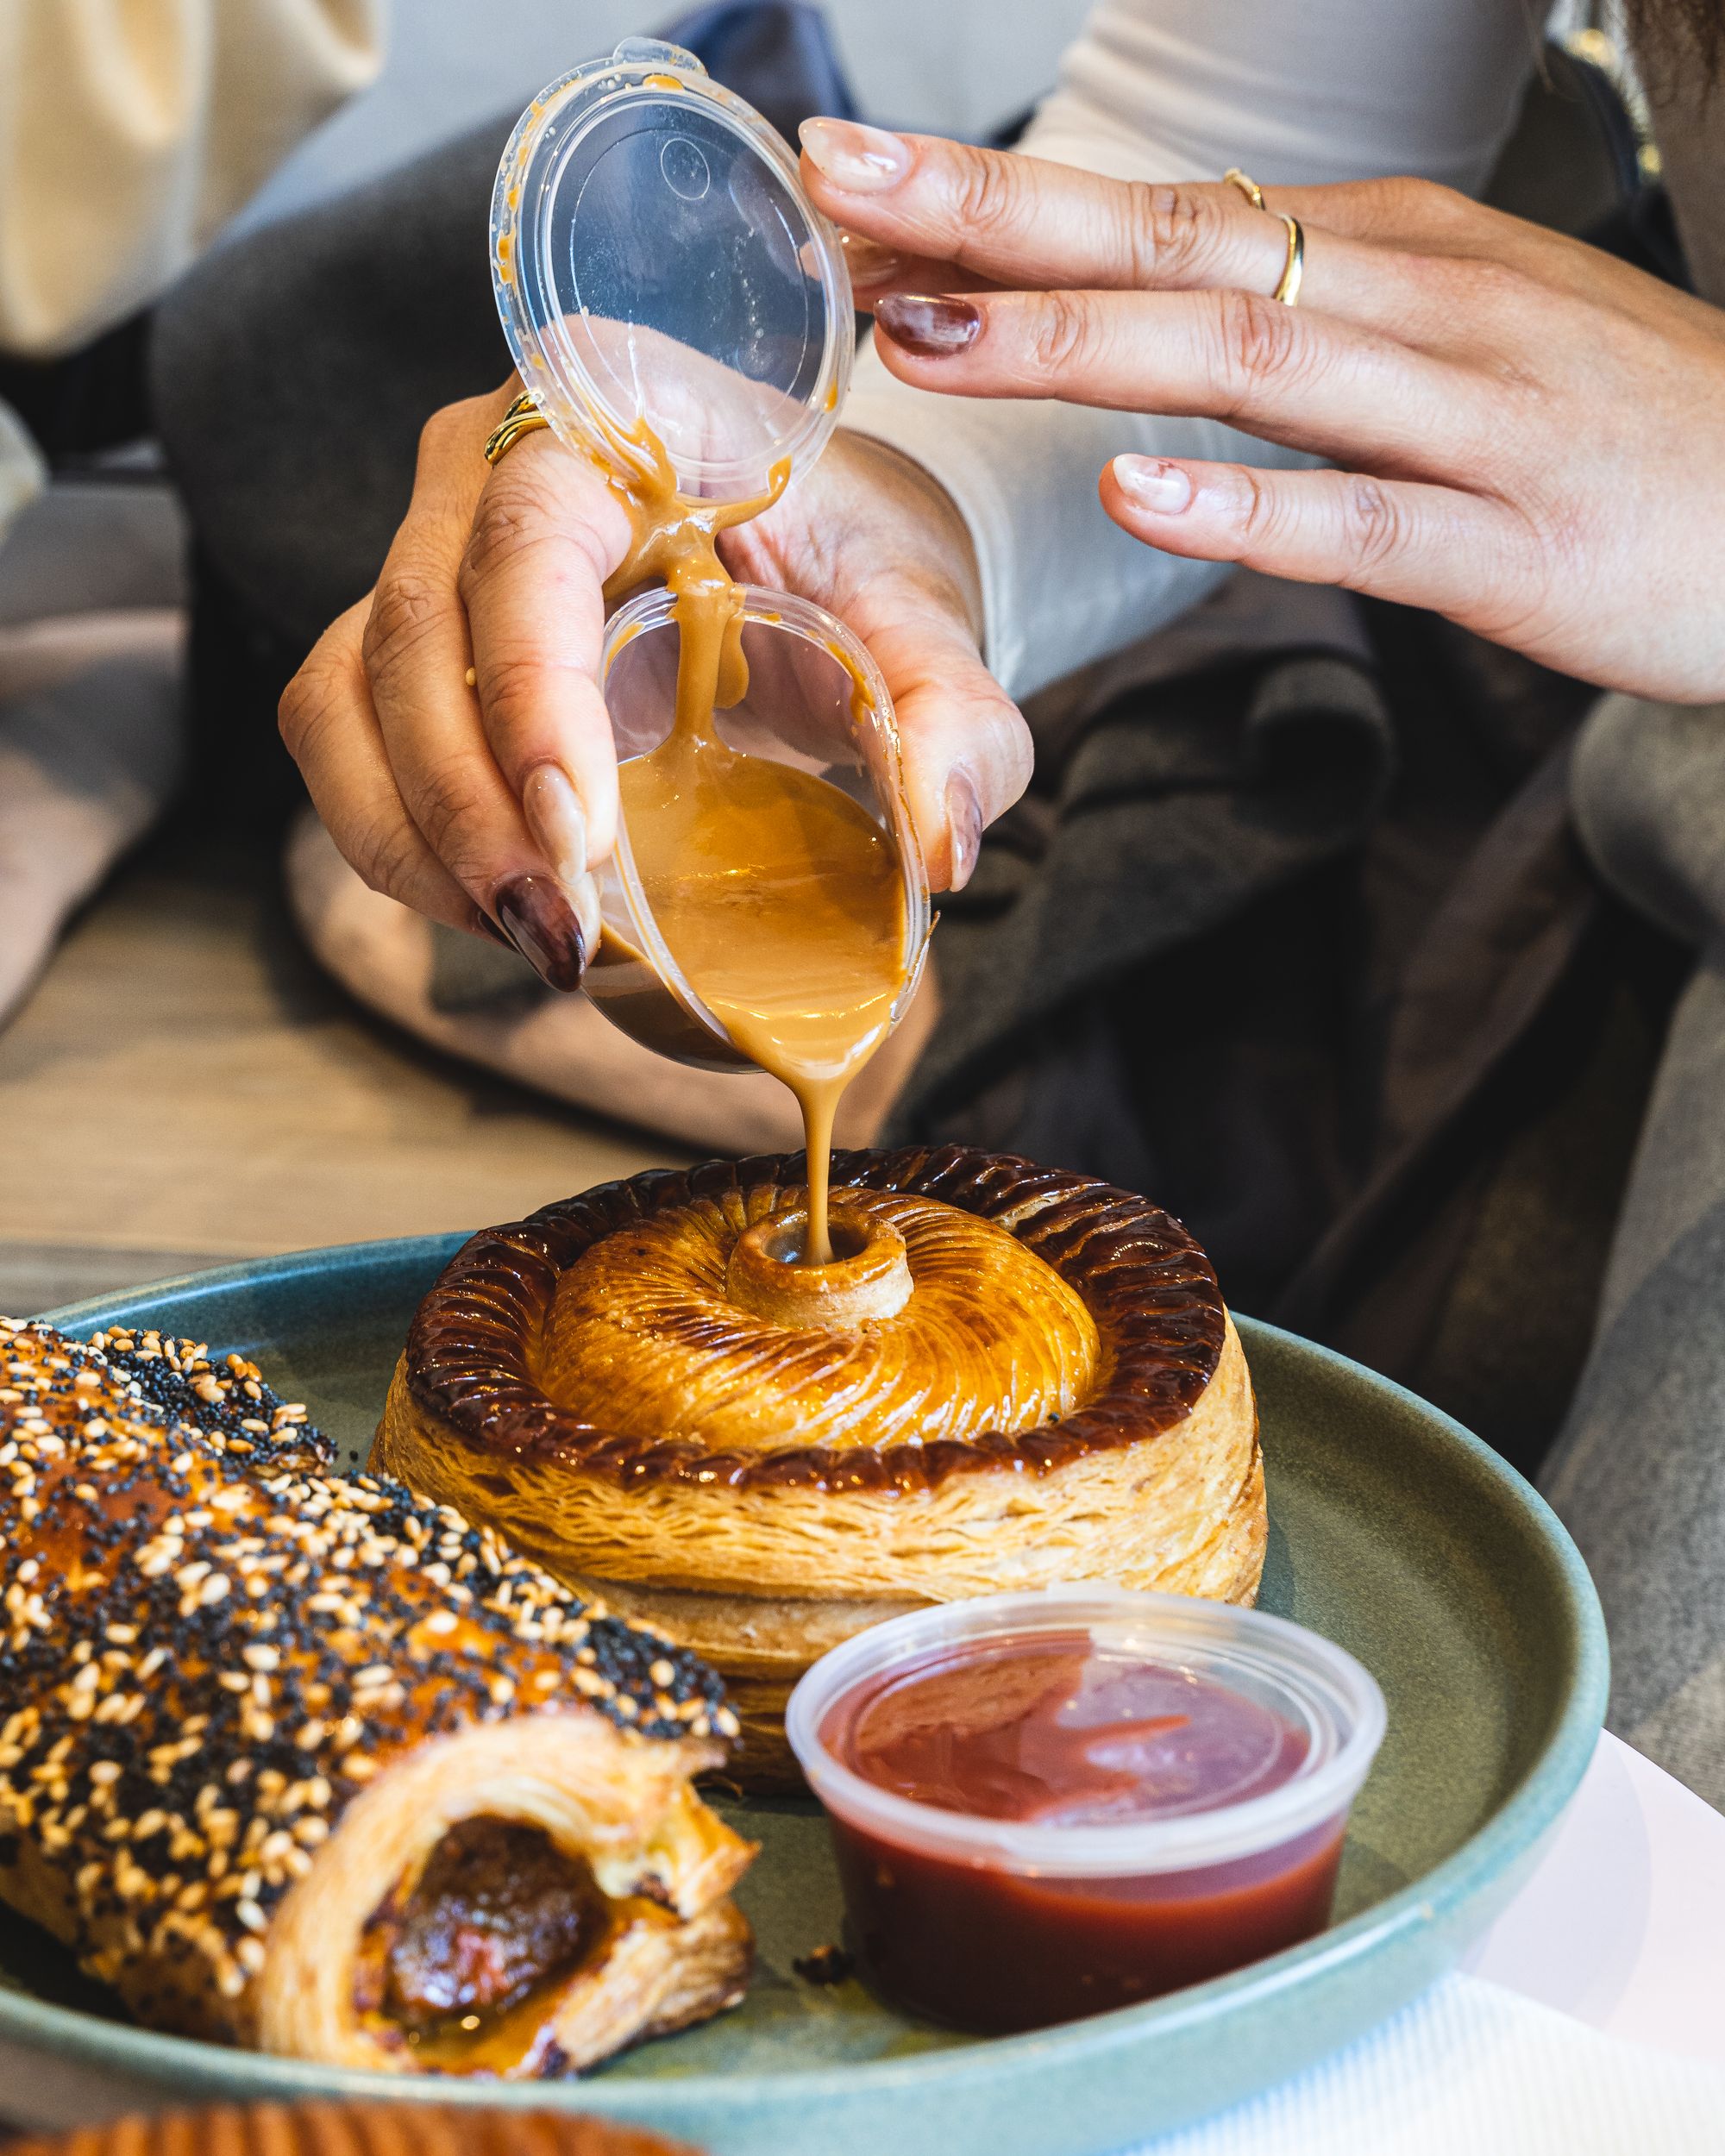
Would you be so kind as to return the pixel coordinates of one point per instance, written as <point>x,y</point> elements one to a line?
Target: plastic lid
<point>655,257</point>
<point>1311,1687</point>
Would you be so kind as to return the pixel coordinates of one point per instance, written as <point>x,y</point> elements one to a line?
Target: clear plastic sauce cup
<point>1050,1804</point>
<point>815,700</point>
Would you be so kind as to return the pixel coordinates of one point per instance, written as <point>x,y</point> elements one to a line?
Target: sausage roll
<point>312,1764</point>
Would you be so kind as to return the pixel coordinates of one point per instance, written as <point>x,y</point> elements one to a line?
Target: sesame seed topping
<point>230,1644</point>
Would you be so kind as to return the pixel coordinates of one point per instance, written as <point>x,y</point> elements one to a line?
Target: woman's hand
<point>451,729</point>
<point>1532,434</point>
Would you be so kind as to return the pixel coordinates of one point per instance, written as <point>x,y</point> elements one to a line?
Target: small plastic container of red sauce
<point>1047,1805</point>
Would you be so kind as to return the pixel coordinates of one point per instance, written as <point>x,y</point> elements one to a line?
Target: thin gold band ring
<point>1248,187</point>
<point>1293,269</point>
<point>523,416</point>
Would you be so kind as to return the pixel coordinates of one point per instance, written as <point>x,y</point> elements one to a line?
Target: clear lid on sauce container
<point>1183,1779</point>
<point>655,258</point>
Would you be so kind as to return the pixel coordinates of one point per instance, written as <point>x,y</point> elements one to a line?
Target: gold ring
<point>523,416</point>
<point>1294,270</point>
<point>1249,187</point>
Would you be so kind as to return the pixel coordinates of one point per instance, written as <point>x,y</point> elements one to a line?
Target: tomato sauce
<point>1053,1733</point>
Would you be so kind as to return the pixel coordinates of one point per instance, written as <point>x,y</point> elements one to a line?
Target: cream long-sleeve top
<point>130,130</point>
<point>1295,91</point>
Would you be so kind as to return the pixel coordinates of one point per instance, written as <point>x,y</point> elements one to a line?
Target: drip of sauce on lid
<point>779,896</point>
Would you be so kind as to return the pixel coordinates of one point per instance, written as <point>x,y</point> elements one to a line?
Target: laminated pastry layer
<point>358,2129</point>
<point>476,1358</point>
<point>1139,1513</point>
<point>619,1396</point>
<point>764,1643</point>
<point>527,1356</point>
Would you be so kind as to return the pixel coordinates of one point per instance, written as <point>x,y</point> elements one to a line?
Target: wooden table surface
<point>184,1087</point>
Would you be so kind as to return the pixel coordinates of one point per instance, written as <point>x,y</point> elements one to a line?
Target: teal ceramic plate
<point>1392,1531</point>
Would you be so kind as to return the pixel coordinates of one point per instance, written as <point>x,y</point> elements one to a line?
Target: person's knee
<point>293,369</point>
<point>1647,788</point>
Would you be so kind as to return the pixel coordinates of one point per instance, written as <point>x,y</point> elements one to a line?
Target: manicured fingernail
<point>870,262</point>
<point>483,924</point>
<point>862,160</point>
<point>1152,484</point>
<point>584,897</point>
<point>538,919</point>
<point>931,327</point>
<point>557,819</point>
<point>964,828</point>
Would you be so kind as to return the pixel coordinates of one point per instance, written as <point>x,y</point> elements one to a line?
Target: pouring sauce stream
<point>778,895</point>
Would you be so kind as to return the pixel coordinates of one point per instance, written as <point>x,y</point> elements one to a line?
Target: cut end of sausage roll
<point>312,1764</point>
<point>520,1900</point>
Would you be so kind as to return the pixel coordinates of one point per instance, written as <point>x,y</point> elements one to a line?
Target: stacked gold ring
<point>1293,269</point>
<point>523,416</point>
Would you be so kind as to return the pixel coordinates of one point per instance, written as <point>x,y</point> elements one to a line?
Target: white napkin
<point>1473,2070</point>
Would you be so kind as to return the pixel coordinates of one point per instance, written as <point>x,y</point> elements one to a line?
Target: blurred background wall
<point>955,66</point>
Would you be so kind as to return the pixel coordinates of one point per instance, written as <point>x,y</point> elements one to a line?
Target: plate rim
<point>1426,1905</point>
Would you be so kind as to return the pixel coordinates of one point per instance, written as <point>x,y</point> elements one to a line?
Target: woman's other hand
<point>1530,434</point>
<point>451,728</point>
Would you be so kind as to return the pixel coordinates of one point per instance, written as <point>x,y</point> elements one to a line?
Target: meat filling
<point>495,1909</point>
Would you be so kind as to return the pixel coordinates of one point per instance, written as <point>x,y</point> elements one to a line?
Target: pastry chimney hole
<point>788,1242</point>
<point>869,1278</point>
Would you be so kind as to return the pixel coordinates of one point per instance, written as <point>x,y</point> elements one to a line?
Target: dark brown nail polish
<point>483,924</point>
<point>931,328</point>
<point>540,924</point>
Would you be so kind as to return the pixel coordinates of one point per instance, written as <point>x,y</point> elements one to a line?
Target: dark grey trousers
<point>1639,1474</point>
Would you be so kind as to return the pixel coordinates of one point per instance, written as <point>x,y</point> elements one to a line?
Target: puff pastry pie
<point>1010,1377</point>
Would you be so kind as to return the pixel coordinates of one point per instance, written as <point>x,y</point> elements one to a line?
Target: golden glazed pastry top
<point>645,1332</point>
<point>1049,1316</point>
